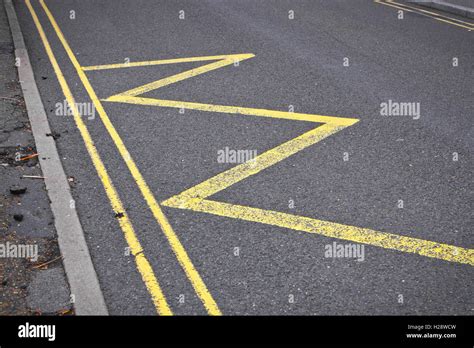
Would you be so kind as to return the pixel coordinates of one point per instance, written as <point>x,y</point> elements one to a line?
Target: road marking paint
<point>141,262</point>
<point>178,249</point>
<point>330,229</point>
<point>431,13</point>
<point>415,10</point>
<point>194,197</point>
<point>233,110</point>
<point>228,60</point>
<point>238,173</point>
<point>166,61</point>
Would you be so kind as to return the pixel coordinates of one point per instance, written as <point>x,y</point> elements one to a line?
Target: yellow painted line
<point>185,75</point>
<point>432,13</point>
<point>194,197</point>
<point>333,230</point>
<point>423,14</point>
<point>141,262</point>
<point>232,176</point>
<point>178,249</point>
<point>166,61</point>
<point>341,121</point>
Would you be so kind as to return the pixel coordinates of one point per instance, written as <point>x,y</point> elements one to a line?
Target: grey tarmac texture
<point>297,62</point>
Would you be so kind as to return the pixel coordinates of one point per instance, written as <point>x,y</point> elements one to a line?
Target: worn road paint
<point>328,229</point>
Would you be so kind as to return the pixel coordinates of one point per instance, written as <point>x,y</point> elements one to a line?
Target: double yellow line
<point>141,261</point>
<point>426,13</point>
<point>195,198</point>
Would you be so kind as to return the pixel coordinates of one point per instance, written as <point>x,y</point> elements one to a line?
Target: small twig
<point>28,157</point>
<point>48,262</point>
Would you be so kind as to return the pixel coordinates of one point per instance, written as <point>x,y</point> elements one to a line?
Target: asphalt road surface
<point>258,239</point>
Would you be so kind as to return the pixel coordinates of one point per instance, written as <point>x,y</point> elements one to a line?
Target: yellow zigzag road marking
<point>331,229</point>
<point>232,57</point>
<point>194,197</point>
<point>343,122</point>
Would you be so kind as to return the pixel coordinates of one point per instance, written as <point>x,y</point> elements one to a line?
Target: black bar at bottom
<point>392,330</point>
